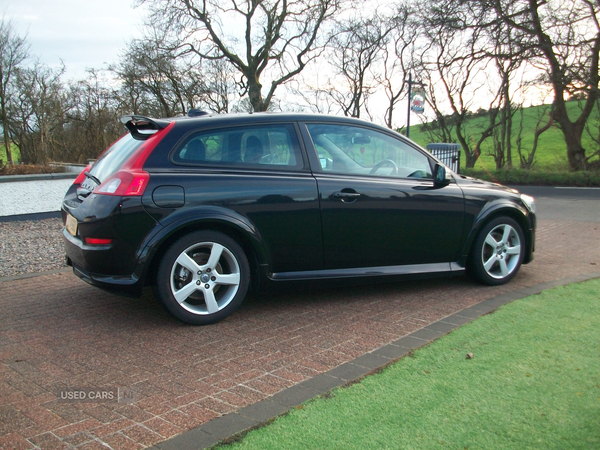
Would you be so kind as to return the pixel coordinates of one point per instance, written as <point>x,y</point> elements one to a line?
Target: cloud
<point>83,34</point>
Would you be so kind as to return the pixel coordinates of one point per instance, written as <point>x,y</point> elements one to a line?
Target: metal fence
<point>449,154</point>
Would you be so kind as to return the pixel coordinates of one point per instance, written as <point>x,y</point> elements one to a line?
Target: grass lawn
<point>551,154</point>
<point>16,153</point>
<point>534,382</point>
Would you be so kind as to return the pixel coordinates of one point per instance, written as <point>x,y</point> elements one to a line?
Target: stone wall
<point>28,194</point>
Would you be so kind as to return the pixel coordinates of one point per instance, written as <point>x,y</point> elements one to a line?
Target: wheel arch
<point>229,223</point>
<point>493,211</point>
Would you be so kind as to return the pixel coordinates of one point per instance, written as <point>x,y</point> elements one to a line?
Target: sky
<point>83,33</point>
<point>91,34</point>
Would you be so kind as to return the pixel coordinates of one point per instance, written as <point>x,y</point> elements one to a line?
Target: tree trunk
<point>470,159</point>
<point>575,151</point>
<point>572,131</point>
<point>9,158</point>
<point>255,96</point>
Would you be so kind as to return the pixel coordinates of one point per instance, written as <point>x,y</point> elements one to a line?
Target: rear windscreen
<point>113,159</point>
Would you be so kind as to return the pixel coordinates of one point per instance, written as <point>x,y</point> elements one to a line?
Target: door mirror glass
<point>441,177</point>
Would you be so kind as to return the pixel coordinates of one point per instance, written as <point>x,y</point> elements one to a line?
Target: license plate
<point>71,224</point>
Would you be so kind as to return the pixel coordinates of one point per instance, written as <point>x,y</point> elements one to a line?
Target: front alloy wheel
<point>498,251</point>
<point>203,277</point>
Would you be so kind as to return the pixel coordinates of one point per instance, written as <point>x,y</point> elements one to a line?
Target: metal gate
<point>449,154</point>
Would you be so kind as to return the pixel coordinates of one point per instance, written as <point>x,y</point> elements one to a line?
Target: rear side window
<point>266,146</point>
<point>113,159</point>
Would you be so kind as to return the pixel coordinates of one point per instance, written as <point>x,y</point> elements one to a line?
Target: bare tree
<point>219,85</point>
<point>566,37</point>
<point>13,51</point>
<point>398,57</point>
<point>92,118</point>
<point>592,128</point>
<point>151,70</point>
<point>527,159</point>
<point>274,38</point>
<point>38,113</point>
<point>508,57</point>
<point>355,54</point>
<point>311,96</point>
<point>456,63</point>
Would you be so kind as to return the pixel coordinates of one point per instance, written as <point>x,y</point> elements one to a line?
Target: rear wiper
<point>89,175</point>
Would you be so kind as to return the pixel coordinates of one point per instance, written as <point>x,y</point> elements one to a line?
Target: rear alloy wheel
<point>497,252</point>
<point>203,277</point>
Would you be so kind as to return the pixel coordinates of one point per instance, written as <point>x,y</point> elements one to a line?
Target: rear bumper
<point>114,266</point>
<point>122,285</point>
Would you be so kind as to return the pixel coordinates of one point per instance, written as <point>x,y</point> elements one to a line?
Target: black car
<point>207,206</point>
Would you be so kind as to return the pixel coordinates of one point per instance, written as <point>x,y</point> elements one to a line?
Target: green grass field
<point>16,154</point>
<point>551,154</point>
<point>534,382</point>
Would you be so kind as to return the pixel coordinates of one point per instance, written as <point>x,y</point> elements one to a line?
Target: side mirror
<point>441,177</point>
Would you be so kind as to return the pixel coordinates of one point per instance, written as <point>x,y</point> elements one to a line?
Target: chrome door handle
<point>346,195</point>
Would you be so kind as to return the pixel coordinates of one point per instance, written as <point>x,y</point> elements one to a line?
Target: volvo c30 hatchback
<point>205,207</point>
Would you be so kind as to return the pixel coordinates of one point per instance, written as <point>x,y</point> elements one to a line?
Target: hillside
<point>551,154</point>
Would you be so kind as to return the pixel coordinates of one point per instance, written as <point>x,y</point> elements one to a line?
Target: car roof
<point>137,123</point>
<point>214,119</point>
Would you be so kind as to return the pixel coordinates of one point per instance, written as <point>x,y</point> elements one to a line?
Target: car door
<point>377,200</point>
<point>255,173</point>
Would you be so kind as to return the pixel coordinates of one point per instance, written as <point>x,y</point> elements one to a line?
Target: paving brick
<point>110,428</point>
<point>15,441</point>
<point>77,427</point>
<point>48,441</point>
<point>122,442</point>
<point>142,435</point>
<point>71,334</point>
<point>78,439</point>
<point>162,427</point>
<point>11,419</point>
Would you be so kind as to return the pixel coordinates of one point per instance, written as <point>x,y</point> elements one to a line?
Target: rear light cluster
<point>124,183</point>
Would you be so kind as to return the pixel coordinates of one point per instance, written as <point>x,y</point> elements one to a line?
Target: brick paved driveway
<point>56,332</point>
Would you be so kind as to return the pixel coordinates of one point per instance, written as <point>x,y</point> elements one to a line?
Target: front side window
<point>268,147</point>
<point>355,150</point>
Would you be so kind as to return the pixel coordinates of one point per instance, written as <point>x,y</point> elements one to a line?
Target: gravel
<point>31,246</point>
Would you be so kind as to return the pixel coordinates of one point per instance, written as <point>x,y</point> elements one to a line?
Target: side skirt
<point>413,270</point>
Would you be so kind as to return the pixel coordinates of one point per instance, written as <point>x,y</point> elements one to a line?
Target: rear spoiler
<point>141,127</point>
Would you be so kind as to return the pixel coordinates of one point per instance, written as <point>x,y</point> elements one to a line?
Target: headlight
<point>529,202</point>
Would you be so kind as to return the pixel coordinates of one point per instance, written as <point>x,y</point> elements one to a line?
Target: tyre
<point>203,277</point>
<point>497,252</point>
